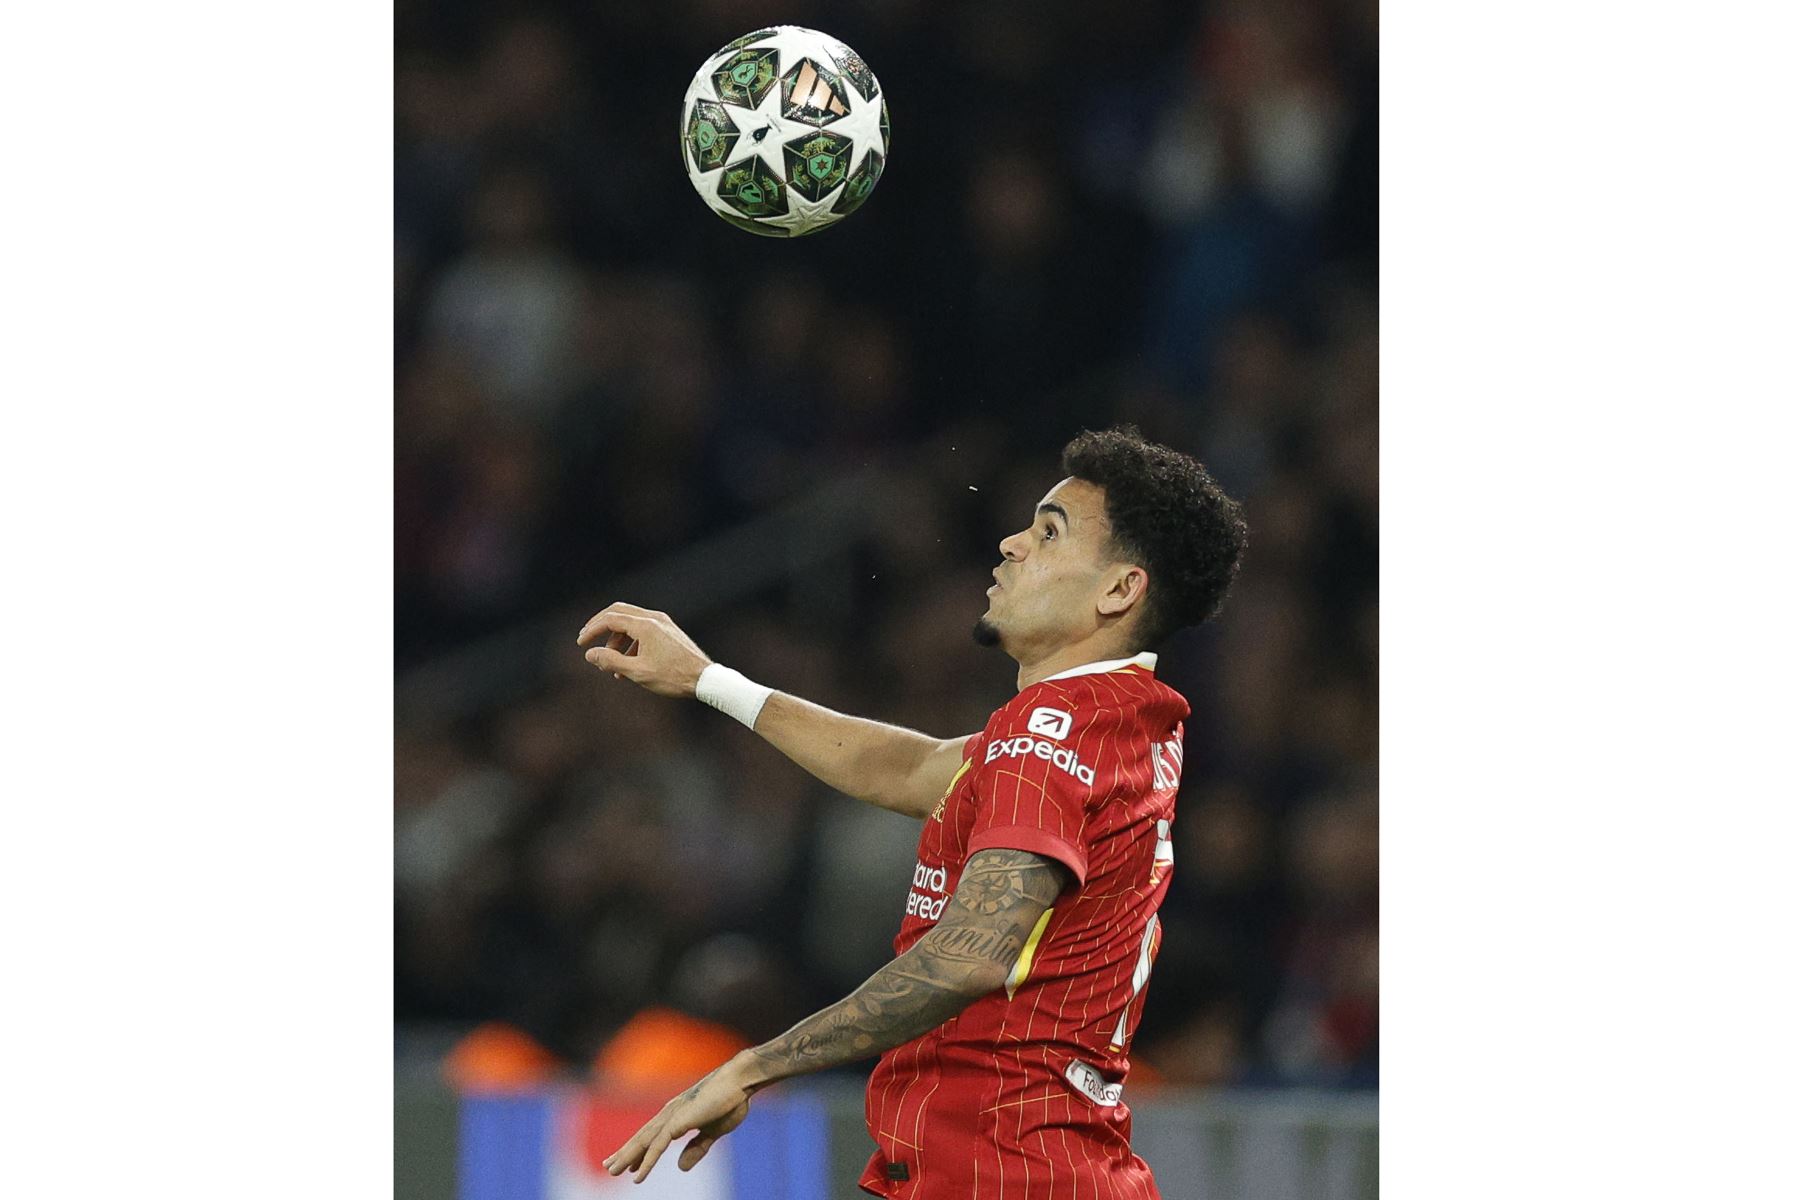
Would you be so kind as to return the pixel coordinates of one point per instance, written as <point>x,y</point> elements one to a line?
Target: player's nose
<point>1013,547</point>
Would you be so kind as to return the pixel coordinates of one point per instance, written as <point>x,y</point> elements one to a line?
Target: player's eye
<point>1049,532</point>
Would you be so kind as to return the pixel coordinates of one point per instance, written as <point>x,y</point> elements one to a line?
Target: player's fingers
<point>610,620</point>
<point>611,660</point>
<point>590,628</point>
<point>627,1156</point>
<point>622,611</point>
<point>657,1146</point>
<point>603,622</point>
<point>695,1150</point>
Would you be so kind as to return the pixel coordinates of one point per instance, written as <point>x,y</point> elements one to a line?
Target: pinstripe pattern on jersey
<point>979,1109</point>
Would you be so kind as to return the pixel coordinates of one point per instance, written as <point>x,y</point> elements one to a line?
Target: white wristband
<point>729,692</point>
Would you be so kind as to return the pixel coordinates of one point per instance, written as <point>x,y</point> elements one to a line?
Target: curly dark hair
<point>1168,516</point>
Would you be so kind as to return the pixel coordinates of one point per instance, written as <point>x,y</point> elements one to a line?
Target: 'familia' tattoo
<point>967,954</point>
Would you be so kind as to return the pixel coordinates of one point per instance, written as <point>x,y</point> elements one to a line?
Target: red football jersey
<point>1019,1094</point>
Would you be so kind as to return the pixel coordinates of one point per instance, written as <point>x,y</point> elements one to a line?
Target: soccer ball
<point>784,131</point>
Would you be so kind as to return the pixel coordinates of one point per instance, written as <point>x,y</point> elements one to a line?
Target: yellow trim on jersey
<point>960,772</point>
<point>937,814</point>
<point>1022,968</point>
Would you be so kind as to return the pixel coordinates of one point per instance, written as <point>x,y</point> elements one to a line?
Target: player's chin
<point>986,632</point>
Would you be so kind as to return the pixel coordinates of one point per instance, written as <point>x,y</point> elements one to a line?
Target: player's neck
<point>1067,658</point>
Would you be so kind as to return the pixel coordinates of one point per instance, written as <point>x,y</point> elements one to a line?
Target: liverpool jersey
<point>1020,1094</point>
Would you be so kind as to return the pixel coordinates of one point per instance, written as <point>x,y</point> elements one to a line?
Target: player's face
<point>1046,593</point>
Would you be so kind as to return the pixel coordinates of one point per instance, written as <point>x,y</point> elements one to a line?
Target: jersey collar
<point>1146,660</point>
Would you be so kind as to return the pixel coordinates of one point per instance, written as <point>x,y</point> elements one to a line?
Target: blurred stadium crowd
<point>1155,212</point>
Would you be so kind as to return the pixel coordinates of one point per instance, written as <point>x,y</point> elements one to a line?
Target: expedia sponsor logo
<point>1053,723</point>
<point>1060,757</point>
<point>1090,1083</point>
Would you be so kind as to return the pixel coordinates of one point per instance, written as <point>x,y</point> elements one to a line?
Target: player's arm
<point>881,764</point>
<point>967,954</point>
<point>885,765</point>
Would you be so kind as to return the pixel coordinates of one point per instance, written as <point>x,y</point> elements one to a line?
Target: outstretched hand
<point>711,1109</point>
<point>645,647</point>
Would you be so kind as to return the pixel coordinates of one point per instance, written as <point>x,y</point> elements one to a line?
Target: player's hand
<point>645,647</point>
<point>711,1108</point>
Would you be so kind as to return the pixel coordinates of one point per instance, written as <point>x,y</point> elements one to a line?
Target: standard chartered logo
<point>927,897</point>
<point>1060,757</point>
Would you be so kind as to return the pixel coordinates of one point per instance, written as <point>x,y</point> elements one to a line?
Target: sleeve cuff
<point>1035,841</point>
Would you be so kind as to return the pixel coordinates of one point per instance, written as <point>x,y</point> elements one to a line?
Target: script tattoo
<point>967,954</point>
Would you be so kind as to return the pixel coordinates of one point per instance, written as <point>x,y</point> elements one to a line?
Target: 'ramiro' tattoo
<point>966,955</point>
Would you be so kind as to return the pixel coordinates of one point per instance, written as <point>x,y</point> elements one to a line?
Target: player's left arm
<point>966,955</point>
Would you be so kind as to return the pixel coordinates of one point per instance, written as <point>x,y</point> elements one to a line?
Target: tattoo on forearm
<point>1000,897</point>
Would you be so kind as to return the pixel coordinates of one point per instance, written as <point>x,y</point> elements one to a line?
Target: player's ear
<point>1125,588</point>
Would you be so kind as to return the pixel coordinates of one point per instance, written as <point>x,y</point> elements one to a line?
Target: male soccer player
<point>1004,1019</point>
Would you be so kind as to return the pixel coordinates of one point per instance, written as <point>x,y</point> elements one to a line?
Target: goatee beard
<point>986,633</point>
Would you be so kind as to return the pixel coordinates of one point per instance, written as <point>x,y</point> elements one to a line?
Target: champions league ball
<point>784,131</point>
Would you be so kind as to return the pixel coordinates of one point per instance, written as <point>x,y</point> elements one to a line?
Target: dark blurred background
<point>807,451</point>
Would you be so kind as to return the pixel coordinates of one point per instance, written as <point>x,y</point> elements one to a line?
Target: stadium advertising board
<point>549,1145</point>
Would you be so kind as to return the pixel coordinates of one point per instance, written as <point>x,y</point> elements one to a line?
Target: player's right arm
<point>884,765</point>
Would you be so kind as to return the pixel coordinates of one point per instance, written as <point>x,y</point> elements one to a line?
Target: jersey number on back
<point>1165,759</point>
<point>1160,862</point>
<point>1140,975</point>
